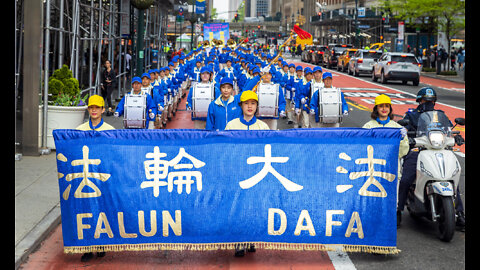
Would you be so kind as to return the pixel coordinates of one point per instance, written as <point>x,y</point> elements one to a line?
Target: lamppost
<point>141,5</point>
<point>356,24</point>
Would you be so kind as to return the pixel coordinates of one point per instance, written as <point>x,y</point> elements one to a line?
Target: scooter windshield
<point>433,120</point>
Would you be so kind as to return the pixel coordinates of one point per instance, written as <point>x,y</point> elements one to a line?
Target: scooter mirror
<point>460,121</point>
<point>405,122</point>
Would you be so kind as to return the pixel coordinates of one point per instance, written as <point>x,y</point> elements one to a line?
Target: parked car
<point>344,58</point>
<point>397,66</point>
<point>307,53</point>
<point>363,61</point>
<point>331,55</point>
<point>317,54</point>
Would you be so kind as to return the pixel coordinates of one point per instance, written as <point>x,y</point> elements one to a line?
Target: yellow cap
<point>249,94</point>
<point>382,99</point>
<point>96,100</point>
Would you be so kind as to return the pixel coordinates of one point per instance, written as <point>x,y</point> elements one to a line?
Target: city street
<point>420,248</point>
<point>416,239</point>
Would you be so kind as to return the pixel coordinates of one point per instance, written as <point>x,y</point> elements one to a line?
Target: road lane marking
<point>340,260</point>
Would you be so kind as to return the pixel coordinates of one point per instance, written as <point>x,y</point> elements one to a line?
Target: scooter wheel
<point>446,219</point>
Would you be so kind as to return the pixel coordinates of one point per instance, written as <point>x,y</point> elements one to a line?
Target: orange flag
<point>303,37</point>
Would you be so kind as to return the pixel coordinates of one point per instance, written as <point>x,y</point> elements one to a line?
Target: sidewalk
<point>37,197</point>
<point>459,78</point>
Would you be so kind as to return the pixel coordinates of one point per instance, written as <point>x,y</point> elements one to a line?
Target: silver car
<point>363,61</point>
<point>397,66</point>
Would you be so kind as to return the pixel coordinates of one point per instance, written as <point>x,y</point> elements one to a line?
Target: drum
<point>203,94</point>
<point>330,105</point>
<point>135,111</point>
<point>268,99</point>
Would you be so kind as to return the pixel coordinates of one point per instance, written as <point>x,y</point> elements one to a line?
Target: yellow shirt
<point>240,124</point>
<point>86,126</point>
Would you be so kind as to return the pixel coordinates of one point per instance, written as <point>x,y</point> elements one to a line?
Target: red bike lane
<point>361,95</point>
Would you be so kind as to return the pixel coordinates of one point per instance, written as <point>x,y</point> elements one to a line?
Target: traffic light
<point>258,26</point>
<point>236,17</point>
<point>319,13</point>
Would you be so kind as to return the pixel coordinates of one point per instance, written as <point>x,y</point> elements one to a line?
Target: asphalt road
<point>421,249</point>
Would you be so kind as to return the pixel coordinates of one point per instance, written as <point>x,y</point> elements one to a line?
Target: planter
<point>60,117</point>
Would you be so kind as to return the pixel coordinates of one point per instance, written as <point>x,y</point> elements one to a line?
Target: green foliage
<point>68,100</point>
<point>64,89</point>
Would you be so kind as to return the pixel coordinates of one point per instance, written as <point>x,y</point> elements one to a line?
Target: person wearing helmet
<point>426,98</point>
<point>96,107</point>
<point>382,116</point>
<point>247,120</point>
<point>223,109</point>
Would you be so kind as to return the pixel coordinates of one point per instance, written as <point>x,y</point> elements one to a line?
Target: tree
<point>442,15</point>
<point>213,15</point>
<point>241,12</point>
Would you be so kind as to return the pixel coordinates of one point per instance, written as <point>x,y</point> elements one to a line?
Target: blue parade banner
<point>299,189</point>
<point>200,6</point>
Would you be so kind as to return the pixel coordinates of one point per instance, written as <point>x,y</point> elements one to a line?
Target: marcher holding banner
<point>96,107</point>
<point>247,121</point>
<point>382,116</point>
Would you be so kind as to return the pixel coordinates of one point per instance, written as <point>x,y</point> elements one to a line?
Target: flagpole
<point>254,89</point>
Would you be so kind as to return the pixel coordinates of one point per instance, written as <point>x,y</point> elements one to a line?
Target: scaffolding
<point>83,34</point>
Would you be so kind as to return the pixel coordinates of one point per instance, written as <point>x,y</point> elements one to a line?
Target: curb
<point>33,238</point>
<point>455,79</point>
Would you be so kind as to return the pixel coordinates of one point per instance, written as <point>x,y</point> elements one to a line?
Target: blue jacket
<point>219,115</point>
<point>292,83</point>
<point>314,105</point>
<point>195,74</point>
<point>150,106</point>
<point>230,73</point>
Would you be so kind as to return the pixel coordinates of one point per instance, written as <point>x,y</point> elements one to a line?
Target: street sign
<point>361,12</point>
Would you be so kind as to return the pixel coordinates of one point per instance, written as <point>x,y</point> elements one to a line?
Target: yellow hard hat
<point>96,100</point>
<point>382,99</point>
<point>249,94</point>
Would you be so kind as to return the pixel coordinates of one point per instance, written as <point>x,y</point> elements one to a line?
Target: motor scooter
<point>438,171</point>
